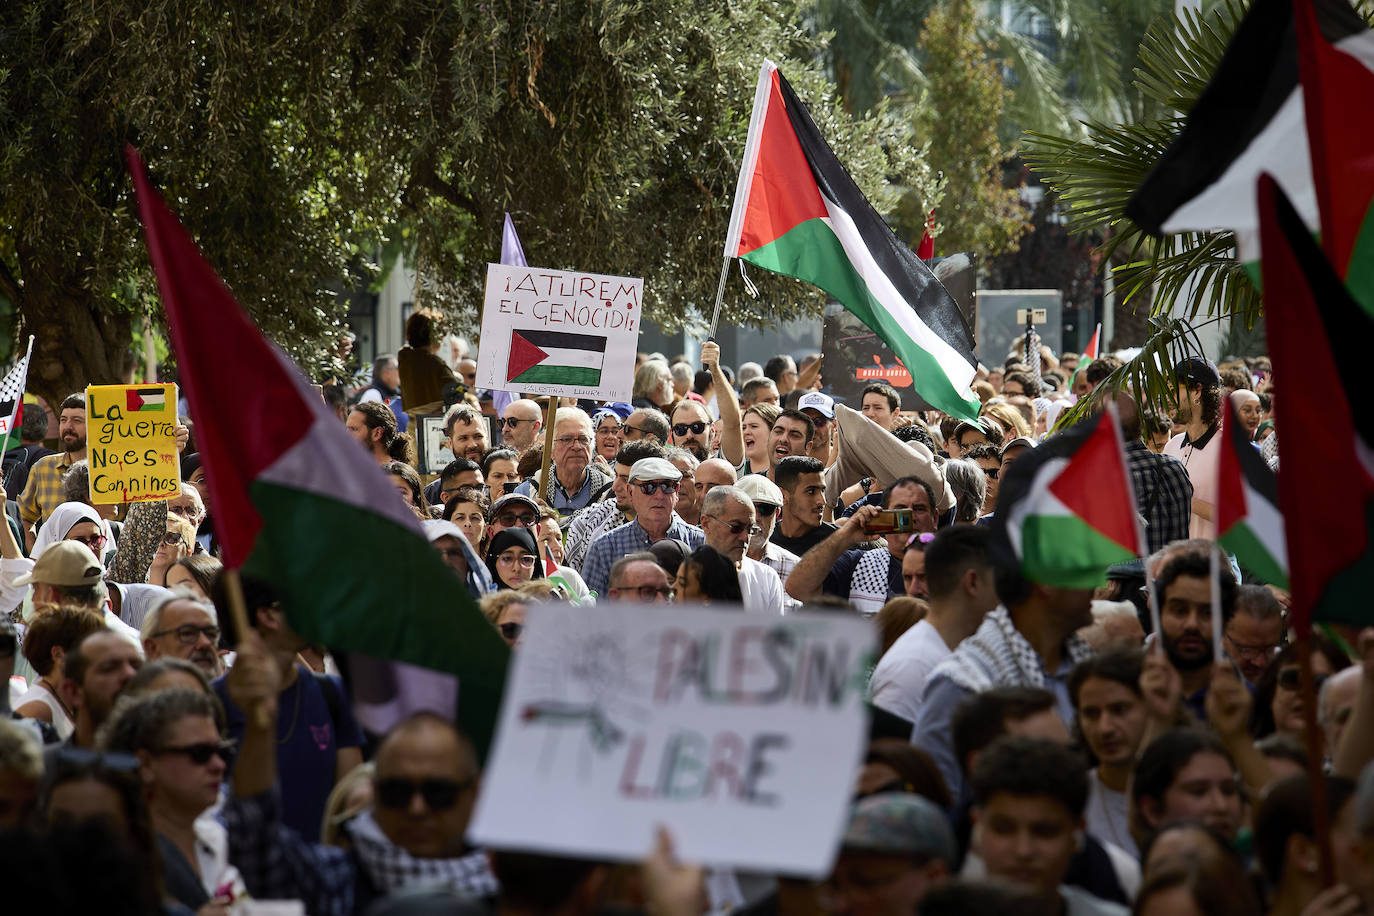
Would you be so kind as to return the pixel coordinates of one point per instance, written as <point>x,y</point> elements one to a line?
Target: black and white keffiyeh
<point>997,655</point>
<point>391,868</point>
<point>868,584</point>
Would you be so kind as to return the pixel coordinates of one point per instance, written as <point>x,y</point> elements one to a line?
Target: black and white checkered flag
<point>12,395</point>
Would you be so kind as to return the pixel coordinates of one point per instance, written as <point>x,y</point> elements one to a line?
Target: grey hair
<point>19,750</point>
<point>153,619</point>
<point>673,452</point>
<point>76,483</point>
<point>719,495</point>
<point>619,566</point>
<point>749,371</point>
<point>140,723</point>
<point>682,373</point>
<point>577,414</point>
<point>970,486</point>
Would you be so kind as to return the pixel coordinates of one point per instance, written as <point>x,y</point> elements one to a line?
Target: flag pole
<point>238,612</point>
<point>547,483</point>
<point>1214,587</point>
<point>19,402</point>
<point>720,295</point>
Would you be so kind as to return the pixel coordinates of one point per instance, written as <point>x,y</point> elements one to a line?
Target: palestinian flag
<point>1249,120</point>
<point>1338,88</point>
<point>1067,509</point>
<point>144,399</point>
<point>554,358</point>
<point>797,212</point>
<point>299,505</point>
<point>1249,523</point>
<point>1318,334</point>
<point>1090,351</point>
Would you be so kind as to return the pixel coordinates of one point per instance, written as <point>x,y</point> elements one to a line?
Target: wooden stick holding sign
<point>544,476</point>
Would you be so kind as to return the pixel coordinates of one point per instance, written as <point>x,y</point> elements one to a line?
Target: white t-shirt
<point>900,677</point>
<point>1202,471</point>
<point>1107,815</point>
<point>761,588</point>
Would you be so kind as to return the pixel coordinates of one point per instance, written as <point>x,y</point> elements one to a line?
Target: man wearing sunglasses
<point>521,424</point>
<point>424,788</point>
<point>599,518</point>
<point>989,458</point>
<point>179,625</point>
<point>693,430</point>
<point>767,500</point>
<point>728,521</point>
<point>653,491</point>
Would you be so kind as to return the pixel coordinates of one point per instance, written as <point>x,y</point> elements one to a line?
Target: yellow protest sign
<point>131,443</point>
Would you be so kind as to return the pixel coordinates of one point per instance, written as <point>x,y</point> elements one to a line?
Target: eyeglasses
<point>524,561</point>
<point>93,541</point>
<point>991,473</point>
<point>738,528</point>
<point>183,511</point>
<point>765,510</point>
<point>188,634</point>
<point>515,421</point>
<point>511,631</point>
<point>648,592</point>
<point>1290,678</point>
<point>200,754</point>
<point>567,441</point>
<point>638,429</point>
<point>172,538</point>
<point>696,429</point>
<point>510,519</point>
<point>649,488</point>
<point>439,794</point>
<point>1250,653</point>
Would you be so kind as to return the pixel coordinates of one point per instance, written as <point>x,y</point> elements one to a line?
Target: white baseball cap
<point>823,404</point>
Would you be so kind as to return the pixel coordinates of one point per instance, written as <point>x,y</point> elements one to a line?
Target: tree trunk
<point>76,343</point>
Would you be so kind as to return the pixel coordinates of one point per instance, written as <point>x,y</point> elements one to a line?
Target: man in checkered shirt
<point>43,492</point>
<point>1163,489</point>
<point>599,518</point>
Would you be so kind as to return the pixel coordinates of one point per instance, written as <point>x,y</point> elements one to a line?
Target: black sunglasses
<point>696,429</point>
<point>200,754</point>
<point>439,794</point>
<point>765,510</point>
<point>991,473</point>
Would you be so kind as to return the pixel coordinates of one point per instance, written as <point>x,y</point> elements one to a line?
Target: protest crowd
<point>1032,748</point>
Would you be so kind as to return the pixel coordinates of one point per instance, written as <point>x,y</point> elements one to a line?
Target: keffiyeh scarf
<point>868,585</point>
<point>391,868</point>
<point>999,656</point>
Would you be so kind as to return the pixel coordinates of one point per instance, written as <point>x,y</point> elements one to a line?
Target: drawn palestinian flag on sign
<point>1067,510</point>
<point>555,358</point>
<point>137,399</point>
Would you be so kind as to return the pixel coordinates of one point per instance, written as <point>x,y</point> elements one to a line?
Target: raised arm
<point>809,575</point>
<point>731,429</point>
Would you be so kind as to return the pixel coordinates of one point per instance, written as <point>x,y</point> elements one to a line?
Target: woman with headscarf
<point>513,558</point>
<point>75,522</point>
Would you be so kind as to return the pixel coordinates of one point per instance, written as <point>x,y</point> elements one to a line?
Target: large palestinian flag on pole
<point>1319,339</point>
<point>797,212</point>
<point>1338,88</point>
<point>1067,509</point>
<point>298,504</point>
<point>1249,120</point>
<point>1249,523</point>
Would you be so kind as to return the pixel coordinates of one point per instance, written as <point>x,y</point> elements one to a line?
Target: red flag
<point>926,250</point>
<point>1090,351</point>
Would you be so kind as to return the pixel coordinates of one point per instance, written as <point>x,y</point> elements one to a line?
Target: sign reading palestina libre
<point>741,734</point>
<point>564,333</point>
<point>131,443</point>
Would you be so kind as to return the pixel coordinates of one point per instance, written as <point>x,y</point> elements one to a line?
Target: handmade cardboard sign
<point>741,734</point>
<point>559,332</point>
<point>131,443</point>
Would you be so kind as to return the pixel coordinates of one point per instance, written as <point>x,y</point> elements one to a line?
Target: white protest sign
<point>741,734</point>
<point>559,332</point>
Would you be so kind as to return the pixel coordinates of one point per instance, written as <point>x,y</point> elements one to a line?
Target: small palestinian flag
<point>797,212</point>
<point>139,399</point>
<point>1249,523</point>
<point>1318,333</point>
<point>1090,351</point>
<point>1067,508</point>
<point>1338,86</point>
<point>555,358</point>
<point>1249,120</point>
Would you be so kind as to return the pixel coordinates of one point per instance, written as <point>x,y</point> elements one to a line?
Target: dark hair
<point>791,468</point>
<point>61,628</point>
<point>1262,707</point>
<point>1152,423</point>
<point>985,897</point>
<point>203,568</point>
<point>1012,587</point>
<point>981,718</point>
<point>1017,765</point>
<point>914,767</point>
<point>895,617</point>
<point>655,423</point>
<point>702,381</point>
<point>1257,602</point>
<point>1158,766</point>
<point>1222,844</point>
<point>498,454</point>
<point>792,413</point>
<point>717,574</point>
<point>915,432</point>
<point>140,722</point>
<point>1100,368</point>
<point>257,594</point>
<point>1025,380</point>
<point>376,415</point>
<point>383,362</point>
<point>1236,378</point>
<point>953,551</point>
<point>638,450</point>
<point>420,328</point>
<point>75,401</point>
<point>473,495</point>
<point>1120,665</point>
<point>458,466</point>
<point>983,450</point>
<point>1197,565</point>
<point>538,883</point>
<point>908,481</point>
<point>34,423</point>
<point>775,367</point>
<point>407,473</point>
<point>894,400</point>
<point>531,460</point>
<point>460,412</point>
<point>1218,888</point>
<point>1286,809</point>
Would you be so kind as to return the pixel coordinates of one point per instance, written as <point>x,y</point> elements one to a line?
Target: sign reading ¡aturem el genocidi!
<point>131,443</point>
<point>740,733</point>
<point>559,332</point>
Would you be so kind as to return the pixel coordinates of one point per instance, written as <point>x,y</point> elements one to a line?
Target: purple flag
<point>513,255</point>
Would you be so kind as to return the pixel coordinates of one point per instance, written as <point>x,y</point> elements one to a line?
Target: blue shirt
<point>627,539</point>
<point>308,741</point>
